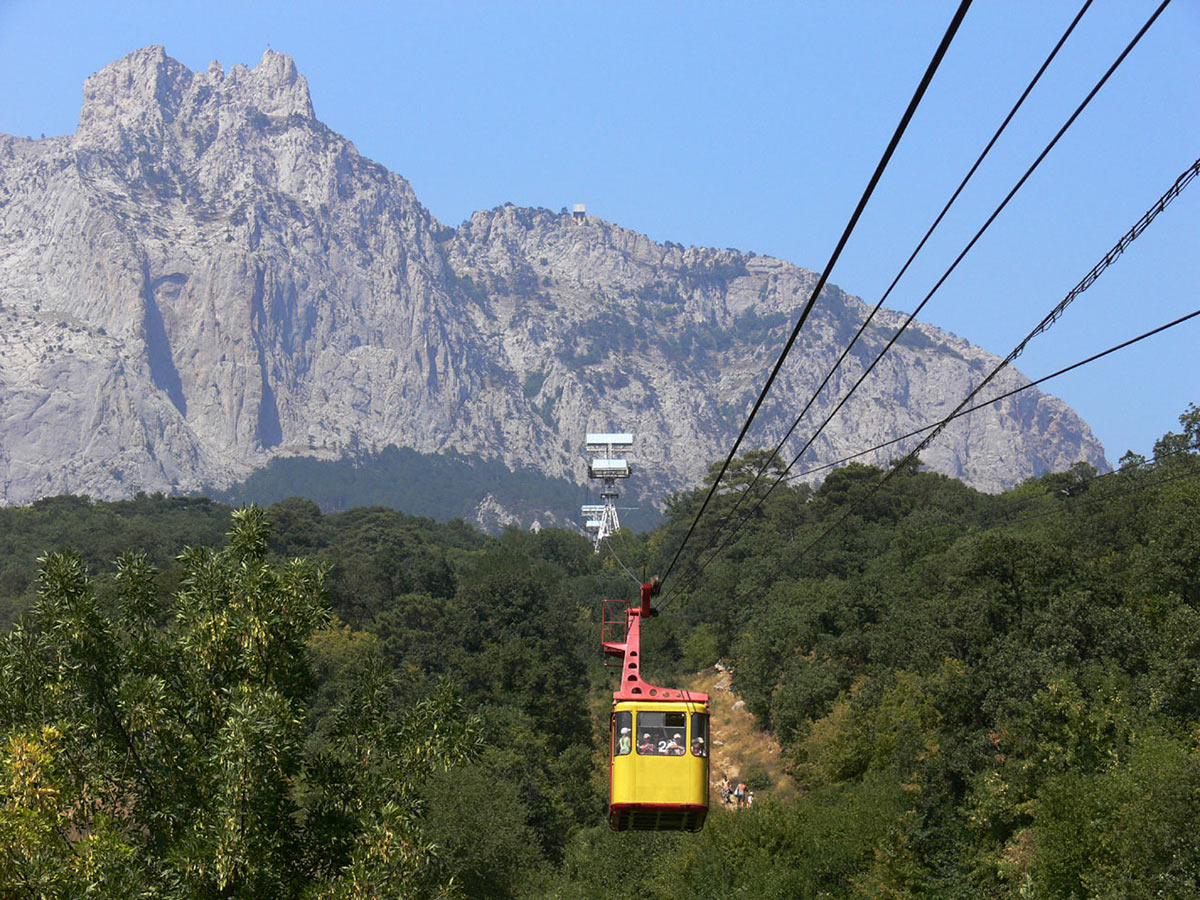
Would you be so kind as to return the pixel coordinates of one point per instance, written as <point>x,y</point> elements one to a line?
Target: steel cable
<point>959,14</point>
<point>904,268</point>
<point>1093,358</point>
<point>1088,280</point>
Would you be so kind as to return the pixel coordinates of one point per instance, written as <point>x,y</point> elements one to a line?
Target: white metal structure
<point>606,465</point>
<point>609,468</point>
<point>609,443</point>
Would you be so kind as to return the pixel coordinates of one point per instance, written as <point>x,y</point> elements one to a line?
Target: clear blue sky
<point>755,126</point>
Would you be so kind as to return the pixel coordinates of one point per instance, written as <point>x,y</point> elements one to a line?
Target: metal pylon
<point>604,465</point>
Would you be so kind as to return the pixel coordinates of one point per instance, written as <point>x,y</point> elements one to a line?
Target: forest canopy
<point>977,695</point>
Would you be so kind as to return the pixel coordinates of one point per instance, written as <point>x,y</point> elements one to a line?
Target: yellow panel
<point>660,779</point>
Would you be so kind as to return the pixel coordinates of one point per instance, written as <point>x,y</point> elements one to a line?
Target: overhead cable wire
<point>932,68</point>
<point>1184,179</point>
<point>1052,317</point>
<point>924,428</point>
<point>628,571</point>
<point>1115,252</point>
<point>970,409</point>
<point>1182,182</point>
<point>1083,362</point>
<point>1064,508</point>
<point>904,268</point>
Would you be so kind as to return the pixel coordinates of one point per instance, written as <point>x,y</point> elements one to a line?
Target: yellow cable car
<point>658,775</point>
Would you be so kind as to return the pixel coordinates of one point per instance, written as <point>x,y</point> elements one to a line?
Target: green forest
<point>977,696</point>
<point>423,484</point>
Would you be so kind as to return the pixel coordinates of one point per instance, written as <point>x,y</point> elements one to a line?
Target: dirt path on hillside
<point>739,749</point>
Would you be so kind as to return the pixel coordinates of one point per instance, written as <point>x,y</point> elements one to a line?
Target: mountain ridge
<point>204,277</point>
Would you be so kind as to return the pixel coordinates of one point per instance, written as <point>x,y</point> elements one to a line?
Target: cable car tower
<point>606,463</point>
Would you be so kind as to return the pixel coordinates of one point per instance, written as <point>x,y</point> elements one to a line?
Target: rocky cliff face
<point>204,277</point>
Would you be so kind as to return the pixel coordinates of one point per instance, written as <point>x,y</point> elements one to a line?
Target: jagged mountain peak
<point>275,86</point>
<point>139,89</point>
<point>148,94</point>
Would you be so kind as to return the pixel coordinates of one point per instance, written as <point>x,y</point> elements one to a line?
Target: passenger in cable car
<point>675,746</point>
<point>624,743</point>
<point>647,747</point>
<point>698,747</point>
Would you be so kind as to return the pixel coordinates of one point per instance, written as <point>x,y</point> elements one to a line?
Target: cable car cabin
<point>658,750</point>
<point>658,780</point>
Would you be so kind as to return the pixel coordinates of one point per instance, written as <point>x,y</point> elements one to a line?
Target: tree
<point>159,742</point>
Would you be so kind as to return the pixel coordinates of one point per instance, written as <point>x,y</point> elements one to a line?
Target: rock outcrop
<point>204,277</point>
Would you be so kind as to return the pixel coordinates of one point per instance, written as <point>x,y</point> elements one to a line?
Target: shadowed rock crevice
<point>270,431</point>
<point>158,346</point>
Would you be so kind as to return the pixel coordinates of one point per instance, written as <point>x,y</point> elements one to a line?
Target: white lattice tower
<point>606,465</point>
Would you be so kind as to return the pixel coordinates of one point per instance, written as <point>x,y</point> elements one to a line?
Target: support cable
<point>1149,464</point>
<point>934,63</point>
<point>628,571</point>
<point>903,269</point>
<point>1174,191</point>
<point>1049,320</point>
<point>1185,178</point>
<point>1083,362</point>
<point>970,409</point>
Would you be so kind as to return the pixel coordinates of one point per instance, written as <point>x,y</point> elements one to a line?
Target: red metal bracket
<point>621,635</point>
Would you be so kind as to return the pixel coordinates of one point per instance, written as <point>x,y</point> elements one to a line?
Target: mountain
<point>204,278</point>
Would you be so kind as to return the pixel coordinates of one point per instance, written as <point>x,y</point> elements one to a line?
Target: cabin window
<point>661,733</point>
<point>699,734</point>
<point>622,733</point>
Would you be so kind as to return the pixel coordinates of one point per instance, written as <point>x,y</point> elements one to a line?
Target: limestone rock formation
<point>204,277</point>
